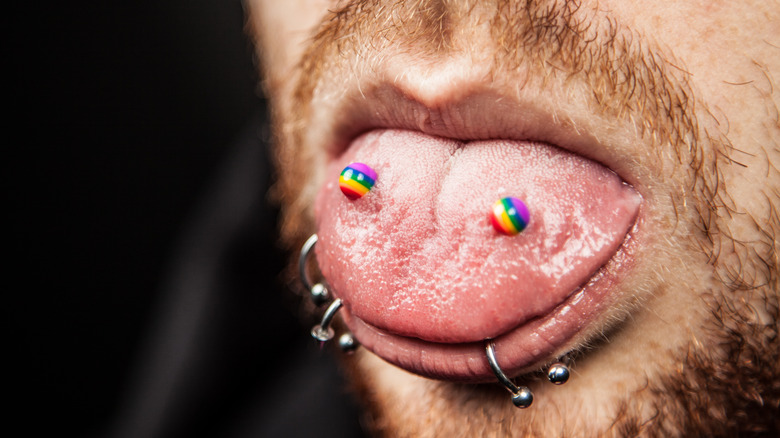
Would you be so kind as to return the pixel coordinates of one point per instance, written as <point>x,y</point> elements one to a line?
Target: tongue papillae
<point>418,256</point>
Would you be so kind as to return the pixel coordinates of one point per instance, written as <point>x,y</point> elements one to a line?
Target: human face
<point>644,137</point>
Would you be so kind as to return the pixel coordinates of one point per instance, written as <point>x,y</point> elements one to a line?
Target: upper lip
<point>479,110</point>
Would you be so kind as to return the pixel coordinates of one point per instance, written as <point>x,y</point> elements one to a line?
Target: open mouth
<point>425,278</point>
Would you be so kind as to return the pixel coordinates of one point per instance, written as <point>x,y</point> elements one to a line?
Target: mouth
<point>424,277</point>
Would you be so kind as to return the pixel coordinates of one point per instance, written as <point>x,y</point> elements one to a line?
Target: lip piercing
<point>522,397</point>
<point>356,180</point>
<point>319,295</point>
<point>322,331</point>
<point>318,292</point>
<point>509,216</point>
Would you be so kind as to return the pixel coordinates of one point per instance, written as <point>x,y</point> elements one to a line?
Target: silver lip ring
<point>304,257</point>
<point>490,351</point>
<point>322,331</point>
<point>328,316</point>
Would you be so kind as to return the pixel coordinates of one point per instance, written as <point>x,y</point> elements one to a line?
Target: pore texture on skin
<point>726,381</point>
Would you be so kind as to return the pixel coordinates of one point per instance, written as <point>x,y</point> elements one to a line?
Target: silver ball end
<point>348,343</point>
<point>322,334</point>
<point>558,373</point>
<point>523,398</point>
<point>319,294</point>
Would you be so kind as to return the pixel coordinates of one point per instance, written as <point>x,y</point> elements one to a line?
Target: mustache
<point>626,76</point>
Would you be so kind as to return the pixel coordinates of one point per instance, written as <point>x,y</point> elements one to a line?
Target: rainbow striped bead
<point>356,180</point>
<point>509,216</point>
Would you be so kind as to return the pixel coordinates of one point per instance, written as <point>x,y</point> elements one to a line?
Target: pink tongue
<point>417,256</point>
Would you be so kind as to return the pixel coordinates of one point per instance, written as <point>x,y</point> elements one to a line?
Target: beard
<point>725,380</point>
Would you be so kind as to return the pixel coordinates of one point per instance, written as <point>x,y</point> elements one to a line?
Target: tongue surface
<point>418,256</point>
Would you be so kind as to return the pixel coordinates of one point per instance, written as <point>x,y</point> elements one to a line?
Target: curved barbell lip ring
<point>317,292</point>
<point>304,257</point>
<point>322,331</point>
<point>522,397</point>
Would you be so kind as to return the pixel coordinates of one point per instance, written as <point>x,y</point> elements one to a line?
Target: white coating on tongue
<point>417,256</point>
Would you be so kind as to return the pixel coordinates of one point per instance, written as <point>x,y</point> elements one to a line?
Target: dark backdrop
<point>121,112</point>
<point>142,294</point>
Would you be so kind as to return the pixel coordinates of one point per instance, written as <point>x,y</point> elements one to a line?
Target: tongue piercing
<point>356,180</point>
<point>322,331</point>
<point>509,216</point>
<point>558,373</point>
<point>522,397</point>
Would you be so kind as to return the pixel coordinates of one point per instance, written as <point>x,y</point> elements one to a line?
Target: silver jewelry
<point>348,343</point>
<point>522,397</point>
<point>319,294</point>
<point>558,373</point>
<point>322,331</point>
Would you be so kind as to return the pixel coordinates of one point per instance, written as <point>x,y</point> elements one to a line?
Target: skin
<point>682,96</point>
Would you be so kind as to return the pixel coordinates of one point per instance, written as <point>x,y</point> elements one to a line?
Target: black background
<point>120,114</point>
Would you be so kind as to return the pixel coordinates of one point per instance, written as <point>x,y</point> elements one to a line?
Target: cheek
<point>282,28</point>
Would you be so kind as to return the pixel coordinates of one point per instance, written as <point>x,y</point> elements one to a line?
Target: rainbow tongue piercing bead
<point>356,180</point>
<point>509,216</point>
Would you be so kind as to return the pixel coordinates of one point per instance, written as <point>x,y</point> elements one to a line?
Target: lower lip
<point>522,349</point>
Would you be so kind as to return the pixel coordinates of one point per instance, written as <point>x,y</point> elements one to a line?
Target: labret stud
<point>522,397</point>
<point>319,295</point>
<point>356,180</point>
<point>509,216</point>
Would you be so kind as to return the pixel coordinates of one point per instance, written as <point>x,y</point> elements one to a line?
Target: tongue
<point>417,256</point>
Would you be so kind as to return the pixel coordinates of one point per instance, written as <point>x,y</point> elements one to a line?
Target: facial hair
<point>724,385</point>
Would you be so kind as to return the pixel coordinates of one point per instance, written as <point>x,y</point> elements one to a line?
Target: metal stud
<point>319,294</point>
<point>558,373</point>
<point>348,343</point>
<point>523,398</point>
